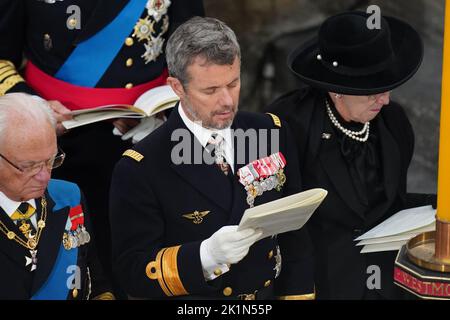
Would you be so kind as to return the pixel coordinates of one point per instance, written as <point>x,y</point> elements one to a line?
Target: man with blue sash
<point>46,247</point>
<point>83,54</point>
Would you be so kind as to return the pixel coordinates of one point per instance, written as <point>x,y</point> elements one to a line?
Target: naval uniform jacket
<point>40,31</point>
<point>156,250</point>
<point>341,270</point>
<point>61,274</point>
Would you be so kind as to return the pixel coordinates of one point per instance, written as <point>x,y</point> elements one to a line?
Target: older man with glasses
<point>46,249</point>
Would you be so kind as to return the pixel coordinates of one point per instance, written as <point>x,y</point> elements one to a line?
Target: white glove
<point>227,245</point>
<point>143,129</point>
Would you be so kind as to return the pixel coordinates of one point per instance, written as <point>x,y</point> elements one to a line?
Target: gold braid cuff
<point>165,270</point>
<point>8,76</point>
<point>309,296</point>
<point>105,296</point>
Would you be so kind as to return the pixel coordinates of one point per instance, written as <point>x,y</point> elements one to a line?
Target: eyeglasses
<point>36,167</point>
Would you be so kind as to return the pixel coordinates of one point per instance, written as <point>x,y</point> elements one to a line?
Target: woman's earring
<point>337,95</point>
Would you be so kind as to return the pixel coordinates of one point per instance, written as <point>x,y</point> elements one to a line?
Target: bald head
<point>27,138</point>
<point>22,115</point>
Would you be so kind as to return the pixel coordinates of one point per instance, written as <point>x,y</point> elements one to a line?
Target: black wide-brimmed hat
<point>350,58</point>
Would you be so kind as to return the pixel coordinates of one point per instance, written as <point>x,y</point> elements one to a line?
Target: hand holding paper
<point>228,245</point>
<point>283,215</point>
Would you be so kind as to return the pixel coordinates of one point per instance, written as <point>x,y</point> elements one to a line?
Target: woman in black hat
<point>355,142</point>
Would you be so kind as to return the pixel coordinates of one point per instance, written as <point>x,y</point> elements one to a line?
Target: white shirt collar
<point>203,134</point>
<point>10,206</point>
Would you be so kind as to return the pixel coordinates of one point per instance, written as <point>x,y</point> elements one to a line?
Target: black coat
<point>24,24</point>
<point>341,271</point>
<point>149,198</point>
<point>54,267</point>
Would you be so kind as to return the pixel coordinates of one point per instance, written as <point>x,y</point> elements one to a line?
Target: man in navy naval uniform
<point>87,53</point>
<point>46,249</point>
<point>174,223</point>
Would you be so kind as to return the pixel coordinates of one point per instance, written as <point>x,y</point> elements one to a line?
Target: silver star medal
<point>277,267</point>
<point>32,260</point>
<point>153,49</point>
<point>157,8</point>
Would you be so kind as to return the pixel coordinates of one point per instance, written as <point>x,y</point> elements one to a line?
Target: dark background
<point>269,29</point>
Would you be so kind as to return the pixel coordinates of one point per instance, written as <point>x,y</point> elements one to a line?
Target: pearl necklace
<point>351,134</point>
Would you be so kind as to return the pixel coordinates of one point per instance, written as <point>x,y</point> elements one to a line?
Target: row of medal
<point>75,238</point>
<point>263,175</point>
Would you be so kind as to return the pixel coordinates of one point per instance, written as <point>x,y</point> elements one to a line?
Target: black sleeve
<point>100,284</point>
<point>138,238</point>
<point>12,33</point>
<point>403,132</point>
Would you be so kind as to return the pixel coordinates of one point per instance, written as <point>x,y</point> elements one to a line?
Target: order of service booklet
<point>148,104</point>
<point>394,232</point>
<point>283,215</point>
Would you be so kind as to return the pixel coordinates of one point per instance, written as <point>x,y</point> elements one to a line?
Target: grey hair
<point>208,38</point>
<point>27,107</point>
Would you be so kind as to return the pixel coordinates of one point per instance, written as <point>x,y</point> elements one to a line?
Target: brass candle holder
<point>422,266</point>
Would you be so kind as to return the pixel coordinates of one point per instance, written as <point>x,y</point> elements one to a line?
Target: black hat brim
<point>408,54</point>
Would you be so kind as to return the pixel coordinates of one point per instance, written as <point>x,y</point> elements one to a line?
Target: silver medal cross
<point>32,260</point>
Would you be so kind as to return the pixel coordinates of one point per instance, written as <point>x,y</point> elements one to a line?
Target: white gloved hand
<point>143,129</point>
<point>229,246</point>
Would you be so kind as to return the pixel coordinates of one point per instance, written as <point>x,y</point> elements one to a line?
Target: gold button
<point>75,293</point>
<point>270,254</point>
<point>267,283</point>
<point>217,272</point>
<point>129,62</point>
<point>227,291</point>
<point>129,85</point>
<point>129,41</point>
<point>73,22</point>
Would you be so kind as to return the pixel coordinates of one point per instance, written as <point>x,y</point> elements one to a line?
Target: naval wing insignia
<point>196,216</point>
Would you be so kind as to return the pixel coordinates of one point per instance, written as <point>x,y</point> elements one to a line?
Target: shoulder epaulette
<point>276,120</point>
<point>133,155</point>
<point>9,76</point>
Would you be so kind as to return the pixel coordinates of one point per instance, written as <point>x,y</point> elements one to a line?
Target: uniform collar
<point>10,206</point>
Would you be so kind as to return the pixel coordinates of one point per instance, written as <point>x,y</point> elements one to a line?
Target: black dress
<point>366,183</point>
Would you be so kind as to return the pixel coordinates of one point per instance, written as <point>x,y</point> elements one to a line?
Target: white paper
<point>379,247</point>
<point>402,222</point>
<point>403,236</point>
<point>283,215</point>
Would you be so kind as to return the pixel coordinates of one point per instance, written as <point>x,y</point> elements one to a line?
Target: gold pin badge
<point>48,43</point>
<point>196,216</point>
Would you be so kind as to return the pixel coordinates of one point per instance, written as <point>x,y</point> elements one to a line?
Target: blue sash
<point>55,288</point>
<point>91,58</point>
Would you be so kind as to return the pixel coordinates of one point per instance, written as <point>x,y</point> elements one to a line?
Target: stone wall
<point>269,29</point>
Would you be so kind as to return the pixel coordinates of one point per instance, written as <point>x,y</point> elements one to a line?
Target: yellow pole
<point>443,205</point>
<point>442,236</point>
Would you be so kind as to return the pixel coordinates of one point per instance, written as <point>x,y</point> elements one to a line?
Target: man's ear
<point>176,86</point>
